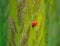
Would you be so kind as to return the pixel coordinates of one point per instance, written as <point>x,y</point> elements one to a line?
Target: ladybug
<point>34,23</point>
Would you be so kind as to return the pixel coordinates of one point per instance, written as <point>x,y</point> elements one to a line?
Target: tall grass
<point>16,17</point>
<point>4,11</point>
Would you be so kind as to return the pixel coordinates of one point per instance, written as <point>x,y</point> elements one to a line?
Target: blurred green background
<point>16,17</point>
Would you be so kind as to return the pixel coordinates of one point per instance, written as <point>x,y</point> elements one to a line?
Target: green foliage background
<point>16,23</point>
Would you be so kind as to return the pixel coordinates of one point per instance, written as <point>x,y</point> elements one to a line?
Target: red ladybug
<point>34,23</point>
